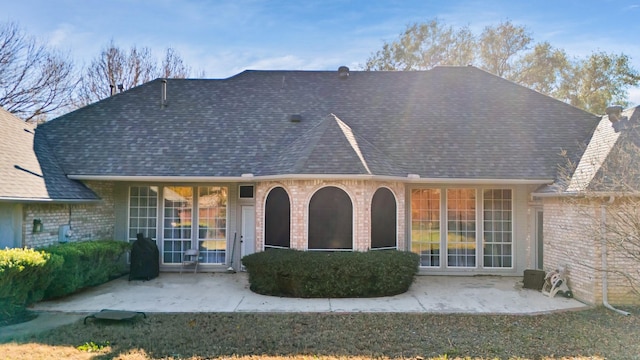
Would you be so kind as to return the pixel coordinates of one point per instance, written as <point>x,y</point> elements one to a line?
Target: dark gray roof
<point>28,170</point>
<point>448,122</point>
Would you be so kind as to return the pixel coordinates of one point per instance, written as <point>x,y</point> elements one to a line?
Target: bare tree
<point>173,66</point>
<point>34,80</point>
<point>116,69</point>
<point>604,189</point>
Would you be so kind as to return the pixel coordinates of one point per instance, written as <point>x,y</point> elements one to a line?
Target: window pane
<point>330,220</point>
<point>212,224</point>
<point>142,211</point>
<point>497,230</point>
<point>178,208</point>
<point>461,227</point>
<point>425,225</point>
<point>383,219</point>
<point>277,225</point>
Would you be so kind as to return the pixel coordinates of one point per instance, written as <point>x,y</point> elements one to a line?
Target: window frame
<point>479,227</point>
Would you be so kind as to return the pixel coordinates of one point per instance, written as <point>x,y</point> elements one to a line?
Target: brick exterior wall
<point>360,192</point>
<point>89,221</point>
<point>572,238</point>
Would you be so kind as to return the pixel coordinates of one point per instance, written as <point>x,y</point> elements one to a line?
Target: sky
<point>222,38</point>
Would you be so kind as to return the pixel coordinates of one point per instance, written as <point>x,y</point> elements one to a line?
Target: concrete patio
<point>221,292</point>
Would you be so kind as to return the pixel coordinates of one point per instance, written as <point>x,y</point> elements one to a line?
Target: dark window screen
<point>383,219</point>
<point>330,220</point>
<point>246,192</point>
<point>277,222</point>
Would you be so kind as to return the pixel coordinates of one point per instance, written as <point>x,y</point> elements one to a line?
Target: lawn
<point>590,334</point>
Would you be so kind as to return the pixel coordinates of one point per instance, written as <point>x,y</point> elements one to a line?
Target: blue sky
<point>225,37</point>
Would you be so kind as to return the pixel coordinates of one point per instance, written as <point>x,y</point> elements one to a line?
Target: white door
<point>10,225</point>
<point>248,232</point>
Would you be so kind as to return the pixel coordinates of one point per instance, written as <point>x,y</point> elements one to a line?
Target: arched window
<point>383,220</point>
<point>277,219</point>
<point>330,220</point>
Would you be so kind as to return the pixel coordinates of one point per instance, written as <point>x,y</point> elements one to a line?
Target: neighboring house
<point>35,195</point>
<point>594,210</point>
<point>443,162</point>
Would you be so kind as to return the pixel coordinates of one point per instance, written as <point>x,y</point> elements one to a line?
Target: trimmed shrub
<point>24,276</point>
<point>312,274</point>
<point>86,263</point>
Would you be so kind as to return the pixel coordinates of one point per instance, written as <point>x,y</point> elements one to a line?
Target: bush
<point>313,274</point>
<point>24,275</point>
<point>86,263</point>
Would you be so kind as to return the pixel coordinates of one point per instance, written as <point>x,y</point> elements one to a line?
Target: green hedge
<point>24,276</point>
<point>313,274</point>
<point>86,263</point>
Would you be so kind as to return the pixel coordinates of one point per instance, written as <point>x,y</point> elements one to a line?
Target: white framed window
<point>143,212</point>
<point>498,228</point>
<point>463,227</point>
<point>425,226</point>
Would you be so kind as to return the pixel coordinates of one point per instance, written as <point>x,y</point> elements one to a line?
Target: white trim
<point>47,200</point>
<point>312,177</point>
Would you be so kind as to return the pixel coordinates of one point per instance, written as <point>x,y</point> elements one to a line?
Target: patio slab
<point>221,292</point>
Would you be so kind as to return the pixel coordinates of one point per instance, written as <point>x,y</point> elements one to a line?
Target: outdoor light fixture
<point>37,226</point>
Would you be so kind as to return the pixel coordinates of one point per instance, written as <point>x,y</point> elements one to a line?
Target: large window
<point>178,208</point>
<point>277,219</point>
<point>191,217</point>
<point>330,220</point>
<point>470,232</point>
<point>461,227</point>
<point>425,225</point>
<point>143,211</point>
<point>383,220</point>
<point>498,228</point>
<point>212,224</point>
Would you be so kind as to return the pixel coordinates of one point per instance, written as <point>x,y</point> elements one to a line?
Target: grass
<point>590,334</point>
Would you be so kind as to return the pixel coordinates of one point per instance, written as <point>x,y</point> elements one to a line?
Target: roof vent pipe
<point>112,89</point>
<point>343,72</point>
<point>163,94</point>
<point>121,87</point>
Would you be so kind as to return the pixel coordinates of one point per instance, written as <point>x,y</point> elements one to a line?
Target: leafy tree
<point>34,80</point>
<point>499,46</point>
<point>116,69</point>
<point>423,46</point>
<point>598,81</point>
<point>509,51</point>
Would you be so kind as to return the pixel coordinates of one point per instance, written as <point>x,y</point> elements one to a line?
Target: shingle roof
<point>28,170</point>
<point>611,161</point>
<point>448,122</point>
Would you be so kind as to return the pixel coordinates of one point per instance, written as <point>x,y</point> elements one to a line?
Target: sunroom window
<point>473,238</point>
<point>192,217</point>
<point>330,220</point>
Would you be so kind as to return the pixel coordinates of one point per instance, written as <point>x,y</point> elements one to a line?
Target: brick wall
<point>89,221</point>
<point>572,238</point>
<point>300,192</point>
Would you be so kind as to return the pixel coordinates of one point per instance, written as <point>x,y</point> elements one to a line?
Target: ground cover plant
<point>590,334</point>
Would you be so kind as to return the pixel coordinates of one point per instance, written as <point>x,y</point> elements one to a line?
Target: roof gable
<point>28,172</point>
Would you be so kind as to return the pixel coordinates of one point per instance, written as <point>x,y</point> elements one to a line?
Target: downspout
<point>603,237</point>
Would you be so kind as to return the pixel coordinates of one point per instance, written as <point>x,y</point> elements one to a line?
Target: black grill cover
<point>145,259</point>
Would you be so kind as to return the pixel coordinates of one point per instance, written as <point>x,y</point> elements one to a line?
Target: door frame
<point>247,230</point>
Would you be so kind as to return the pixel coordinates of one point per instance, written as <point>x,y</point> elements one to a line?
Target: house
<point>33,186</point>
<point>446,163</point>
<point>591,214</point>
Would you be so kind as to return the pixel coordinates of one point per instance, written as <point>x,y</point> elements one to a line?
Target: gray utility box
<point>533,279</point>
<point>64,233</point>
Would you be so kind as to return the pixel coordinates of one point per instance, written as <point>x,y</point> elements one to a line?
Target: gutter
<point>48,201</point>
<point>603,233</point>
<point>411,178</point>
